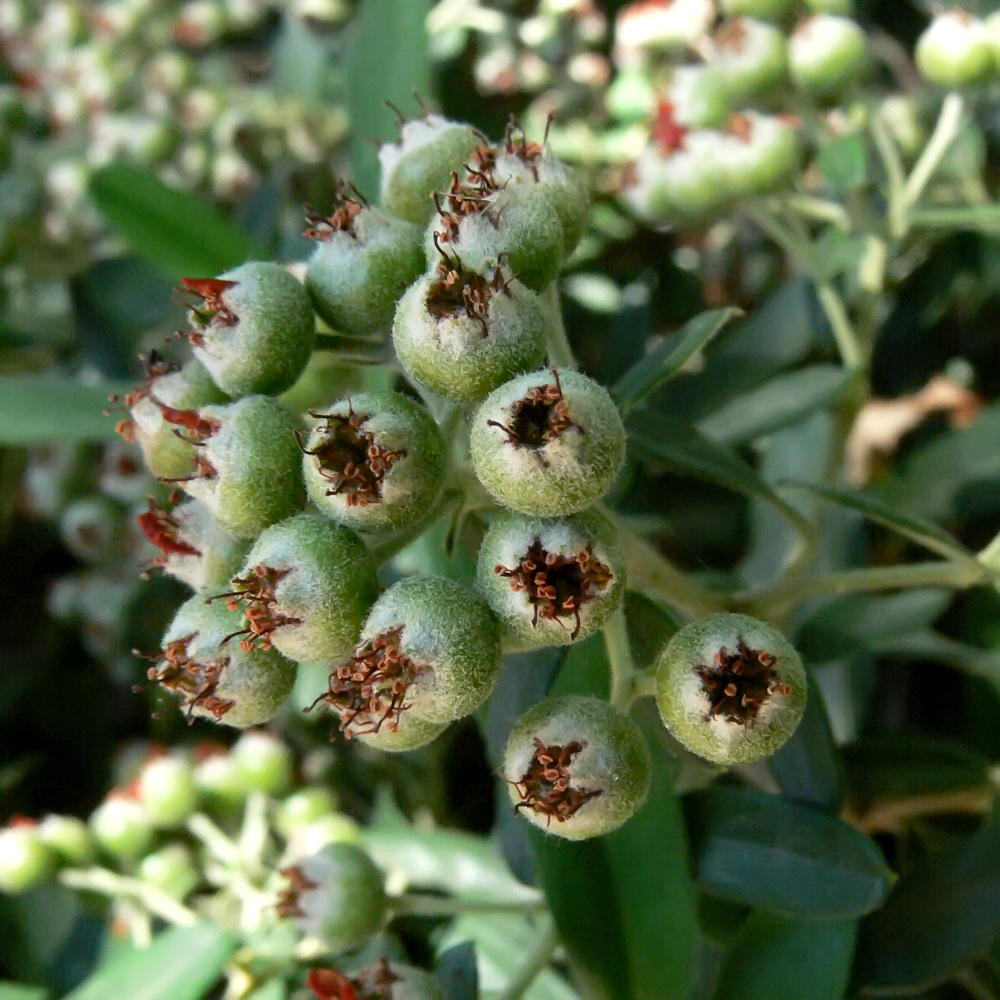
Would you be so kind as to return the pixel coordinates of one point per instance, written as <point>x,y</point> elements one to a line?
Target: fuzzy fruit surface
<point>768,10</point>
<point>251,473</point>
<point>576,767</point>
<point>552,581</point>
<point>548,443</point>
<point>167,791</point>
<point>337,894</point>
<point>213,677</point>
<point>429,652</point>
<point>462,334</point>
<point>263,762</point>
<point>305,588</point>
<point>752,58</point>
<point>731,688</point>
<point>121,827</point>
<point>374,461</point>
<point>955,51</point>
<point>356,275</point>
<point>25,861</point>
<point>826,54</point>
<point>262,333</point>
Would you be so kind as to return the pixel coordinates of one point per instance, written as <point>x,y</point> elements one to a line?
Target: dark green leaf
<point>35,409</point>
<point>844,162</point>
<point>782,401</point>
<point>808,768</point>
<point>181,964</point>
<point>939,917</point>
<point>18,991</point>
<point>173,229</point>
<point>674,444</point>
<point>764,851</point>
<point>669,358</point>
<point>389,61</point>
<point>917,529</point>
<point>778,957</point>
<point>300,60</point>
<point>456,972</point>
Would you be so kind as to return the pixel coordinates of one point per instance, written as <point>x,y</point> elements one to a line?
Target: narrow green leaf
<point>389,60</point>
<point>173,229</point>
<point>808,768</point>
<point>779,402</point>
<point>35,409</point>
<point>789,859</point>
<point>671,442</point>
<point>844,162</point>
<point>917,529</point>
<point>662,364</point>
<point>778,957</point>
<point>20,991</point>
<point>181,964</point>
<point>942,914</point>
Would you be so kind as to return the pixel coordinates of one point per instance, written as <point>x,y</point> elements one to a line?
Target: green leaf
<point>941,915</point>
<point>778,957</point>
<point>917,529</point>
<point>662,364</point>
<point>181,964</point>
<point>173,229</point>
<point>844,162</point>
<point>35,409</point>
<point>389,60</point>
<point>808,767</point>
<point>671,442</point>
<point>779,402</point>
<point>789,859</point>
<point>273,989</point>
<point>625,904</point>
<point>19,991</point>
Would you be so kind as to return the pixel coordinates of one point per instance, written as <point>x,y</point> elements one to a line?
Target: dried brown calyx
<point>288,899</point>
<point>194,682</point>
<point>558,586</point>
<point>456,291</point>
<point>213,309</point>
<point>161,529</point>
<point>668,133</point>
<point>347,206</point>
<point>350,458</point>
<point>546,787</point>
<point>254,595</point>
<point>472,196</point>
<point>539,417</point>
<point>369,690</point>
<point>516,144</point>
<point>738,684</point>
<point>374,982</point>
<point>154,367</point>
<point>199,429</point>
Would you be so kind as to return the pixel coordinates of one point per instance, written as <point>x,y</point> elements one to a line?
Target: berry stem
<point>945,132</point>
<point>421,905</point>
<point>623,672</point>
<point>556,342</point>
<point>113,885</point>
<point>221,847</point>
<point>353,350</point>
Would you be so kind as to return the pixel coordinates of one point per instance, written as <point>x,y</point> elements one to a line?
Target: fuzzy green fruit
<point>265,763</point>
<point>730,688</point>
<point>549,443</point>
<point>751,56</point>
<point>25,861</point>
<point>167,790</point>
<point>601,760</point>
<point>121,827</point>
<point>826,54</point>
<point>955,51</point>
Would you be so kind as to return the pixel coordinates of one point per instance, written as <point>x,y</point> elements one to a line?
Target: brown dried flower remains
<point>546,786</point>
<point>213,311</point>
<point>347,206</point>
<point>350,458</point>
<point>255,595</point>
<point>194,682</point>
<point>738,684</point>
<point>540,417</point>
<point>374,982</point>
<point>557,585</point>
<point>457,291</point>
<point>289,899</point>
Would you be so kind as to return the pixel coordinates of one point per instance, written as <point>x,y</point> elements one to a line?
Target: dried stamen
<point>193,682</point>
<point>154,367</point>
<point>472,196</point>
<point>372,983</point>
<point>668,133</point>
<point>289,897</point>
<point>557,586</point>
<point>161,528</point>
<point>540,417</point>
<point>546,786</point>
<point>255,595</point>
<point>738,684</point>
<point>213,309</point>
<point>350,458</point>
<point>347,206</point>
<point>457,291</point>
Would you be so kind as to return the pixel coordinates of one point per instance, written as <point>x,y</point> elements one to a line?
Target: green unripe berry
<point>764,153</point>
<point>92,528</point>
<point>549,442</point>
<point>552,581</point>
<point>363,261</point>
<point>842,8</point>
<point>167,790</point>
<point>121,827</point>
<point>68,838</point>
<point>420,163</point>
<point>220,781</point>
<point>216,678</point>
<point>336,895</point>
<point>168,388</point>
<point>256,329</point>
<point>602,763</point>
<point>171,869</point>
<point>462,334</point>
<point>333,828</point>
<point>631,97</point>
<point>752,58</point>
<point>730,688</point>
<point>955,51</point>
<point>699,96</point>
<point>767,10</point>
<point>376,463</point>
<point>249,471</point>
<point>25,861</point>
<point>305,589</point>
<point>265,762</point>
<point>482,221</point>
<point>826,54</point>
<point>661,26</point>
<point>195,548</point>
<point>429,651</point>
<point>302,808</point>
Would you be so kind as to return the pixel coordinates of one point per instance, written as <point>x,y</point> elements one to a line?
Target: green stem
<point>974,985</point>
<point>556,342</point>
<point>109,883</point>
<point>945,132</point>
<point>353,350</point>
<point>539,958</point>
<point>819,209</point>
<point>221,847</point>
<point>418,905</point>
<point>895,172</point>
<point>620,659</point>
<point>644,686</point>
